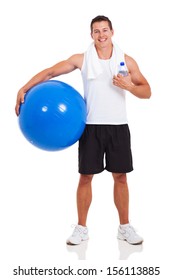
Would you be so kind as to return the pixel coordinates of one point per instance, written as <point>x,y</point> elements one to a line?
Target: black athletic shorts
<point>105,147</point>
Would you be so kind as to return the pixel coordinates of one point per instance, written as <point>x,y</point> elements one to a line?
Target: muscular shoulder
<point>76,60</point>
<point>131,63</point>
<point>136,75</point>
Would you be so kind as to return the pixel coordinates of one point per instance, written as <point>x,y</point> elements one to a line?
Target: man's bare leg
<point>121,196</point>
<point>84,198</point>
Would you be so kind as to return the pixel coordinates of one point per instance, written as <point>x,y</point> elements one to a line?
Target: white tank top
<point>105,102</point>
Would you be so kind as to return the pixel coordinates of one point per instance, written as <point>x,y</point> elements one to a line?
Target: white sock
<point>124,225</point>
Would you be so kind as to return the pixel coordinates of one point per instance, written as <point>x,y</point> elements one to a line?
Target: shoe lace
<point>78,230</point>
<point>132,230</point>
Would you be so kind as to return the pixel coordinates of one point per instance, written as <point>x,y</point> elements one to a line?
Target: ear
<point>91,35</point>
<point>112,32</point>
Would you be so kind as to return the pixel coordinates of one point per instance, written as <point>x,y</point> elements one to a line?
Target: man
<point>106,136</point>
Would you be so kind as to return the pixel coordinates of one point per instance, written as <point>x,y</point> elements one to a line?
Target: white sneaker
<point>129,234</point>
<point>79,234</point>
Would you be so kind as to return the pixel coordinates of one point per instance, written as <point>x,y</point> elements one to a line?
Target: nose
<point>101,34</point>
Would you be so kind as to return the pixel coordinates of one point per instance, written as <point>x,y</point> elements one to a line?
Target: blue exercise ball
<point>53,116</point>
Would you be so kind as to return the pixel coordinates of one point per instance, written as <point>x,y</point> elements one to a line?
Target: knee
<point>85,179</point>
<point>120,178</point>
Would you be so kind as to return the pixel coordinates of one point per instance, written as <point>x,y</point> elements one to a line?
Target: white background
<point>38,188</point>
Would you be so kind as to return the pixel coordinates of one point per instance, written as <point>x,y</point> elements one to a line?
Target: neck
<point>104,53</point>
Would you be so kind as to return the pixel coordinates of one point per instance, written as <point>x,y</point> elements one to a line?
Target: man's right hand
<point>20,99</point>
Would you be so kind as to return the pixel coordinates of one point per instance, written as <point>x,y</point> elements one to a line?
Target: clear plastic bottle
<point>122,69</point>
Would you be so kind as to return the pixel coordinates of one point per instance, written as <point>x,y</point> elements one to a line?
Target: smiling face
<point>102,34</point>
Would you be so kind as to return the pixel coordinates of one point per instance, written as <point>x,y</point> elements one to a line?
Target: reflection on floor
<point>80,250</point>
<point>125,249</point>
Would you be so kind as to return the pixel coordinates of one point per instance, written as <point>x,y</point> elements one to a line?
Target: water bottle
<point>122,69</point>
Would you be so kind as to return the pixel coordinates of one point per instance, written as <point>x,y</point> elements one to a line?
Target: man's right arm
<point>63,67</point>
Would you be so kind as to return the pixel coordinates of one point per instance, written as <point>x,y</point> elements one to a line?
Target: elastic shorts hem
<point>109,170</point>
<point>91,172</point>
<point>119,171</point>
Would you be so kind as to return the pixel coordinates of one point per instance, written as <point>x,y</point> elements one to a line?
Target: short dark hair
<point>100,18</point>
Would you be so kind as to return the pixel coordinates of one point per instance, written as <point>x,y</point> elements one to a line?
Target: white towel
<point>93,63</point>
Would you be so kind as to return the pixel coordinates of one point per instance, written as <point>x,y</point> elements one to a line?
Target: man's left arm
<point>135,82</point>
